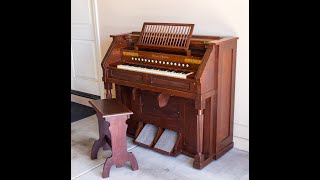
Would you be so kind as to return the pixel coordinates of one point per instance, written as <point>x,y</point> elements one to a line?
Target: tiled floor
<point>83,134</point>
<point>234,165</point>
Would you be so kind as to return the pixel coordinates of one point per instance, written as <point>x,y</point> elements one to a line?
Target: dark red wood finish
<point>112,113</point>
<point>199,108</point>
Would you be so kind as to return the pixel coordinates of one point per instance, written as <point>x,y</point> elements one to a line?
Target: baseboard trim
<point>241,144</point>
<point>87,95</point>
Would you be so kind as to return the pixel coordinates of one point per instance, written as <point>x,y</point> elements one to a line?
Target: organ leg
<point>108,87</point>
<point>199,157</point>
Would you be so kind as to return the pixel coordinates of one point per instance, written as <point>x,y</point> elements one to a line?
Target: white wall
<point>211,17</point>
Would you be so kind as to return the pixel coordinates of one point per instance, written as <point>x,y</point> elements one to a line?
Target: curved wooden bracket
<point>163,99</point>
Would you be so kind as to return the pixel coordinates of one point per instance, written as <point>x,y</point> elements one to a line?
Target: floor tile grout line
<point>87,171</point>
<point>96,166</point>
<point>132,147</point>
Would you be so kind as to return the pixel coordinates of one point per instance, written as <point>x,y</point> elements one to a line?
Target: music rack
<point>167,36</point>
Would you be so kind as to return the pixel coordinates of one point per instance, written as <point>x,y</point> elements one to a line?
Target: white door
<point>84,69</point>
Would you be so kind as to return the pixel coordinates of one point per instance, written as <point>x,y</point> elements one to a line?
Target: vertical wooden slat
<point>180,36</point>
<point>154,35</point>
<point>160,33</point>
<point>185,41</point>
<point>174,35</point>
<point>166,35</point>
<point>183,36</point>
<point>146,34</point>
<point>170,35</point>
<point>150,35</point>
<point>163,35</point>
<point>143,34</point>
<point>177,36</point>
<point>186,36</point>
<point>189,35</point>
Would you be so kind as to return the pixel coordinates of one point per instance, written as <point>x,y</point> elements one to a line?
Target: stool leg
<point>107,136</point>
<point>106,167</point>
<point>95,148</point>
<point>106,147</point>
<point>133,161</point>
<point>103,137</point>
<point>120,155</point>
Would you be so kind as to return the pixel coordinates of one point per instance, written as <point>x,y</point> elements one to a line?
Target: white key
<point>153,71</point>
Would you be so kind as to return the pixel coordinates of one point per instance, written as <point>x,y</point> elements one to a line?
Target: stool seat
<point>112,116</point>
<point>110,107</point>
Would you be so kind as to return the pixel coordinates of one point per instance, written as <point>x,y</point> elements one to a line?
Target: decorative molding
<point>82,94</point>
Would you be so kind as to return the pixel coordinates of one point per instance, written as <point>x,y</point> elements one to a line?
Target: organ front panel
<point>180,87</point>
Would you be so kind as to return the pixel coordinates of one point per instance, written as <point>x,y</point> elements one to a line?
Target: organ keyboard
<point>180,87</point>
<point>153,70</point>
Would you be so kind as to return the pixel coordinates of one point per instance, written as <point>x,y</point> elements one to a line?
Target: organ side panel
<point>190,139</point>
<point>225,96</point>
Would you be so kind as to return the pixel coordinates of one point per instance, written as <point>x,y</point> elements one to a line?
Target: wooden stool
<point>112,113</point>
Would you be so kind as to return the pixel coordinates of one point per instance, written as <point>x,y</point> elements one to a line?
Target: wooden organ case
<point>178,83</point>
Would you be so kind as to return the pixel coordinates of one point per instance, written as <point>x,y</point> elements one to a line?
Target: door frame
<point>95,24</point>
<point>96,27</point>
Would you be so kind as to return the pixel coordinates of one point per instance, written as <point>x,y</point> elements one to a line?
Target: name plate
<point>160,56</point>
<point>125,53</point>
<point>192,61</point>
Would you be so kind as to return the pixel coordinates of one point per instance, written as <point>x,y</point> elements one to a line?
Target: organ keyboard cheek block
<point>179,86</point>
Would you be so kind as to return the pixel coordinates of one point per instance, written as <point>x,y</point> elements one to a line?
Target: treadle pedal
<point>147,134</point>
<point>167,141</point>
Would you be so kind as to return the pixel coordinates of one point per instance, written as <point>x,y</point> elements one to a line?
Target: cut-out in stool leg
<point>101,142</point>
<point>106,147</point>
<point>95,148</point>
